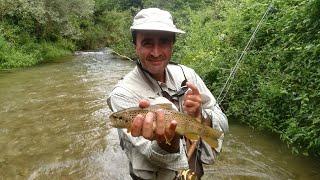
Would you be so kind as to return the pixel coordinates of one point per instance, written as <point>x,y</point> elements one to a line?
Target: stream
<point>54,125</point>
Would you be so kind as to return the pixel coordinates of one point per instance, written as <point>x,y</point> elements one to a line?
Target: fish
<point>186,124</point>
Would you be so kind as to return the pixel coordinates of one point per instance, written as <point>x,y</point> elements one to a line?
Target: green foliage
<point>121,37</point>
<point>31,53</point>
<point>12,57</point>
<point>277,85</point>
<point>112,30</point>
<point>38,30</point>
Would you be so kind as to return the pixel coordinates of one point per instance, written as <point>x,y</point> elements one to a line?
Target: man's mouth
<point>156,62</point>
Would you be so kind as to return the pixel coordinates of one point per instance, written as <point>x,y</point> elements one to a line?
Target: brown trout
<point>186,125</point>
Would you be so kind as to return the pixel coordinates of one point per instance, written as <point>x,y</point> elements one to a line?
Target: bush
<point>12,57</point>
<point>276,87</point>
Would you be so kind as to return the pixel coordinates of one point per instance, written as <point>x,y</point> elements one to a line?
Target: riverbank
<point>34,31</point>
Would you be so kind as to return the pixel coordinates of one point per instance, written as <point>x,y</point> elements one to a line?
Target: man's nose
<point>156,50</point>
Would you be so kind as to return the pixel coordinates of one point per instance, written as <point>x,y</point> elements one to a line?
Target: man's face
<point>154,49</point>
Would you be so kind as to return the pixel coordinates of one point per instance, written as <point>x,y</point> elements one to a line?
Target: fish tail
<point>211,136</point>
<point>213,142</point>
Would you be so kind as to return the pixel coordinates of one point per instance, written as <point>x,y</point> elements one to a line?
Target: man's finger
<point>189,92</point>
<point>170,131</point>
<point>147,129</point>
<point>160,122</point>
<point>137,125</point>
<point>194,98</point>
<point>143,103</point>
<point>190,110</point>
<point>190,103</point>
<point>194,89</point>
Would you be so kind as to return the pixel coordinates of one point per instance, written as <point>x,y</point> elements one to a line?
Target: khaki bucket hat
<point>154,19</point>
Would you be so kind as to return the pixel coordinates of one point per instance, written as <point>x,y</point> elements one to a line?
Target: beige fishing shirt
<point>147,159</point>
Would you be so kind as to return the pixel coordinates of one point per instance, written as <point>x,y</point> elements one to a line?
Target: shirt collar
<point>169,80</point>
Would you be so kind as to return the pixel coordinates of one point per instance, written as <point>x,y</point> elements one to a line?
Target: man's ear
<point>135,47</point>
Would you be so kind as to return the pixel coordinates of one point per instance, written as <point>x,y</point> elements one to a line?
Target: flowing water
<point>53,125</point>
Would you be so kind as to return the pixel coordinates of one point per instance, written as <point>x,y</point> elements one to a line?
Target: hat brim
<point>155,26</point>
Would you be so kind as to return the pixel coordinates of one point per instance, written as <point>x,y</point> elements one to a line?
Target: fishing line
<point>228,83</point>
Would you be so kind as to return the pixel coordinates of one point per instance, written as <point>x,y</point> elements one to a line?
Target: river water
<point>53,125</point>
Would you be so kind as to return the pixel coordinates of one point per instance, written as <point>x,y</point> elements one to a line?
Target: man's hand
<point>192,101</point>
<point>166,137</point>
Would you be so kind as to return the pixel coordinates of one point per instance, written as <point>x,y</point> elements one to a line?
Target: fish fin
<point>164,106</point>
<point>192,136</point>
<point>200,120</point>
<point>211,141</point>
<point>215,133</point>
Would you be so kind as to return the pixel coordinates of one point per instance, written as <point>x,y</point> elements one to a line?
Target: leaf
<point>316,120</point>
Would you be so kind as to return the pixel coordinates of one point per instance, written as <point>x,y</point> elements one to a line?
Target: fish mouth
<point>116,120</point>
<point>112,119</point>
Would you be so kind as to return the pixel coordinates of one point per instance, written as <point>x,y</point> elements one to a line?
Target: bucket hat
<point>154,19</point>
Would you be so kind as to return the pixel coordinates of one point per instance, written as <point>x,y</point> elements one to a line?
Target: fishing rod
<point>228,83</point>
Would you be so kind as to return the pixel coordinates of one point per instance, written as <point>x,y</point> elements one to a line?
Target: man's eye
<point>146,43</point>
<point>165,41</point>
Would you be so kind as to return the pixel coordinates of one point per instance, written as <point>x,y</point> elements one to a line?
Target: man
<point>153,81</point>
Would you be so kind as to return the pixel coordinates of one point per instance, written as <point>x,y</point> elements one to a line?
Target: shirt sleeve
<point>120,99</point>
